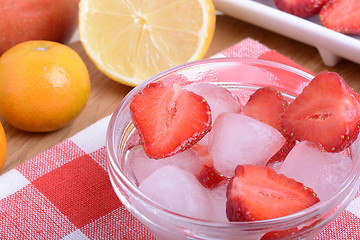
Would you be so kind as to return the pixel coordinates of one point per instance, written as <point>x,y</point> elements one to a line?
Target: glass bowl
<point>241,76</point>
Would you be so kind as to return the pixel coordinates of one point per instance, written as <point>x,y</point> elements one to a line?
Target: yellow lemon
<point>132,40</point>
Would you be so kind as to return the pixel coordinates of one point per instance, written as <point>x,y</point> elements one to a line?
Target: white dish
<point>332,46</point>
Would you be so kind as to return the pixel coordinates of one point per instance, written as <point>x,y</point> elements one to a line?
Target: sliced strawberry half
<point>169,119</point>
<point>208,176</point>
<point>300,8</point>
<point>283,152</point>
<point>342,16</point>
<point>278,235</point>
<point>259,193</point>
<point>203,154</point>
<point>326,112</point>
<point>292,233</point>
<point>266,105</point>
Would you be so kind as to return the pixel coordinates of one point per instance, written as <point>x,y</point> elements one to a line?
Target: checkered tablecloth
<point>65,192</point>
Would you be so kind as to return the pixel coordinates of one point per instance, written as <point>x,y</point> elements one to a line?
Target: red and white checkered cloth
<point>65,192</point>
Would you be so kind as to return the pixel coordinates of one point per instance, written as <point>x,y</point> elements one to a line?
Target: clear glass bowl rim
<point>298,217</point>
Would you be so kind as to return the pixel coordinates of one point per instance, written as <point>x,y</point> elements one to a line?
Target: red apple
<point>23,20</point>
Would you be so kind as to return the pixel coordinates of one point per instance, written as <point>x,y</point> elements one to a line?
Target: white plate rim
<point>332,45</point>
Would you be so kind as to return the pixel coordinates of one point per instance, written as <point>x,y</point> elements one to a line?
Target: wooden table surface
<point>106,94</point>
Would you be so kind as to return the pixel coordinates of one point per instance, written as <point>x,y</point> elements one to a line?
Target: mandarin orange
<point>43,85</point>
<point>3,146</point>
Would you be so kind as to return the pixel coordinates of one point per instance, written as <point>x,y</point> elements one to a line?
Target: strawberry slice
<point>169,119</point>
<point>292,233</point>
<point>266,105</point>
<point>283,152</point>
<point>259,193</point>
<point>203,154</point>
<point>278,235</point>
<point>342,16</point>
<point>208,176</point>
<point>326,112</point>
<point>300,8</point>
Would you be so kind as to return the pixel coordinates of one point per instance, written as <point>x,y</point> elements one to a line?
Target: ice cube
<point>218,198</point>
<point>275,165</point>
<point>179,191</point>
<point>322,171</point>
<point>238,139</point>
<point>219,99</point>
<point>141,166</point>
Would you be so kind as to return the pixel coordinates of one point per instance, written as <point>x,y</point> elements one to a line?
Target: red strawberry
<point>259,193</point>
<point>169,119</point>
<point>326,112</point>
<point>278,235</point>
<point>300,8</point>
<point>292,233</point>
<point>342,16</point>
<point>208,176</point>
<point>204,155</point>
<point>266,105</point>
<point>283,152</point>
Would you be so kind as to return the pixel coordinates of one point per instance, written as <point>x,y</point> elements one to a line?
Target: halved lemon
<point>131,40</point>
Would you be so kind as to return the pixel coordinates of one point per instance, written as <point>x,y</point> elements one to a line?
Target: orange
<point>3,146</point>
<point>132,40</point>
<point>43,85</point>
